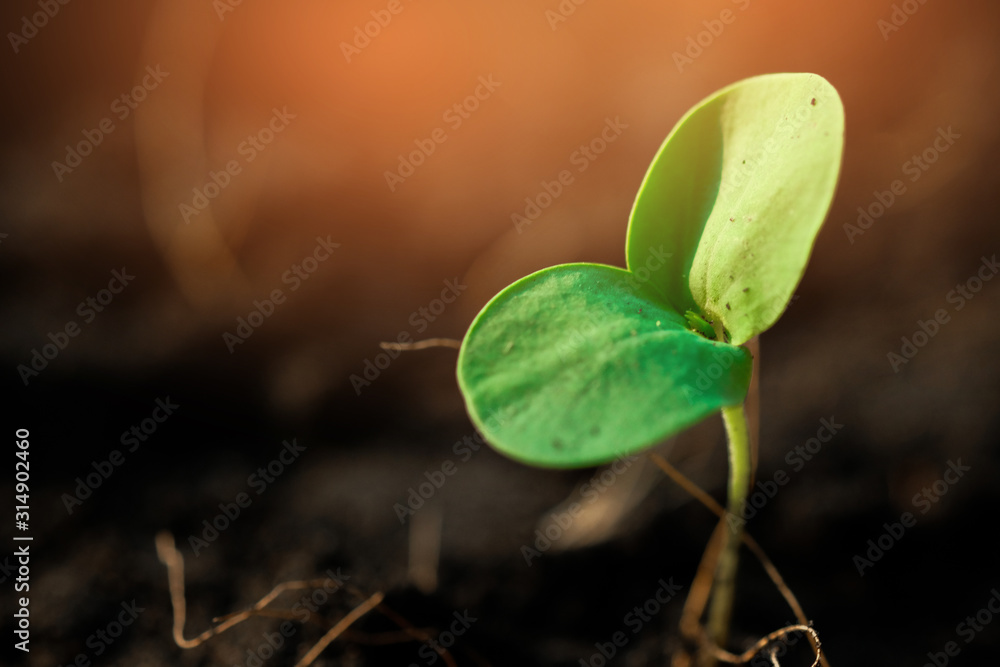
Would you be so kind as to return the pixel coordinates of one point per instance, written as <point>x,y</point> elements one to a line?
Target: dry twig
<point>423,344</point>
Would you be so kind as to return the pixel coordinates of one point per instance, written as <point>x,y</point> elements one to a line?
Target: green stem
<point>740,466</point>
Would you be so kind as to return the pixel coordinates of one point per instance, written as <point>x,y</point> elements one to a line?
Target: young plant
<point>588,362</point>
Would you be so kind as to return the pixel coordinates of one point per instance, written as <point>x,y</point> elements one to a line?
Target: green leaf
<point>580,363</point>
<point>736,196</point>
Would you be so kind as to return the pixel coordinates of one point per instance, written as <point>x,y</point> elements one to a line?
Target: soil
<point>335,507</point>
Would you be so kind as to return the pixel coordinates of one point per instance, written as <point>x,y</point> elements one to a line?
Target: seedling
<point>589,361</point>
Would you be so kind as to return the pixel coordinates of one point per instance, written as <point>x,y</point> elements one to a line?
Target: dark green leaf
<point>580,363</point>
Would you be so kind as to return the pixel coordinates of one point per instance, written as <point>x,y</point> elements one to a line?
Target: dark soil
<point>332,509</point>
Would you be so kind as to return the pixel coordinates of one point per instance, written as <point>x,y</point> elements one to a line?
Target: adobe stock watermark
<point>923,500</point>
<point>797,458</point>
<point>464,449</point>
<point>455,116</point>
<point>642,273</point>
<point>223,7</point>
<point>768,657</point>
<point>294,277</point>
<point>131,439</point>
<point>723,359</point>
<point>310,603</point>
<point>571,342</point>
<point>967,629</point>
<point>258,481</point>
<point>927,329</point>
<point>419,319</point>
<point>87,310</point>
<point>249,149</point>
<point>704,39</point>
<point>22,616</point>
<point>30,26</point>
<point>725,355</point>
<point>581,158</point>
<point>273,641</point>
<point>121,107</point>
<point>590,492</point>
<point>575,339</point>
<point>900,14</point>
<point>562,12</point>
<point>635,620</point>
<point>432,649</point>
<point>915,167</point>
<point>365,33</point>
<point>102,639</point>
<point>307,605</point>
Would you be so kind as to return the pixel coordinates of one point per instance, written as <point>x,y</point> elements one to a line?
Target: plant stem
<point>740,467</point>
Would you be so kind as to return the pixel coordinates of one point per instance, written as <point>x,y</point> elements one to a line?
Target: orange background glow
<point>356,111</point>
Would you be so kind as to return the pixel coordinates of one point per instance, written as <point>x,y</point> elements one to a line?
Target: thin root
<point>694,608</point>
<point>336,630</point>
<point>748,655</point>
<point>174,561</point>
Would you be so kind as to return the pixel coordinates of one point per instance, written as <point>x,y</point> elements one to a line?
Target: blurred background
<point>227,206</point>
